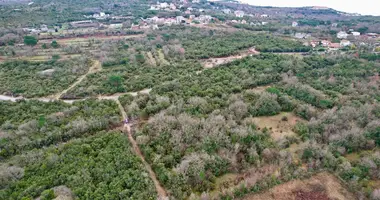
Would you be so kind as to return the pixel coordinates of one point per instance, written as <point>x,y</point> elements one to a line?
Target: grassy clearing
<point>161,58</point>
<point>214,62</point>
<point>320,186</point>
<point>151,59</point>
<point>280,125</point>
<point>354,157</point>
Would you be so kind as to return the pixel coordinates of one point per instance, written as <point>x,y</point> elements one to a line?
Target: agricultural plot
<point>223,45</point>
<point>37,79</point>
<point>41,128</point>
<point>130,78</point>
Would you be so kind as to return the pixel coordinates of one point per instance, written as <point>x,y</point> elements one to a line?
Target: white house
<point>164,5</point>
<point>302,35</point>
<point>153,8</point>
<point>172,6</point>
<point>345,43</point>
<point>179,19</point>
<point>264,16</point>
<point>115,26</point>
<point>264,23</point>
<point>325,43</point>
<point>44,28</point>
<point>154,26</point>
<point>239,13</point>
<point>226,11</point>
<point>342,35</point>
<point>294,24</point>
<point>354,33</point>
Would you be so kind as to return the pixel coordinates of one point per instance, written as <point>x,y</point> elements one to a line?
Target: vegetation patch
<point>27,78</point>
<point>104,165</point>
<point>321,186</point>
<point>280,126</point>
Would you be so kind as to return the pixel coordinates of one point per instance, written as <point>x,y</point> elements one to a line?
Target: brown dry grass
<point>151,59</point>
<point>214,62</point>
<point>278,128</point>
<point>322,184</point>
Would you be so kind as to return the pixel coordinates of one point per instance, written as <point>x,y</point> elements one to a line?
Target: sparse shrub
<point>47,195</point>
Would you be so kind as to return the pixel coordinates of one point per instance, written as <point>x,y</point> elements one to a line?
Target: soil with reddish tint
<point>301,195</point>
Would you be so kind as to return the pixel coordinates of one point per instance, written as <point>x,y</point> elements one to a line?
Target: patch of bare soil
<point>259,89</point>
<point>301,195</point>
<point>151,59</point>
<point>213,62</point>
<point>323,186</point>
<point>63,193</point>
<point>279,126</point>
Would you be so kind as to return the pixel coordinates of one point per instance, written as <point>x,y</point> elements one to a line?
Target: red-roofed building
<point>334,46</point>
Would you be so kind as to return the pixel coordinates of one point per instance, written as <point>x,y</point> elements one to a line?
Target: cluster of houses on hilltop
<point>100,15</point>
<point>241,14</point>
<point>344,35</point>
<point>329,45</point>
<point>204,19</point>
<point>43,29</point>
<point>163,6</point>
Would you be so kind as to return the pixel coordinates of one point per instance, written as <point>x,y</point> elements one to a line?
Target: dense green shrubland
<point>100,166</point>
<point>228,44</point>
<point>38,131</point>
<point>31,79</point>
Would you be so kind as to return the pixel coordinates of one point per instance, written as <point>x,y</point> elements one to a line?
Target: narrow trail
<point>70,101</point>
<point>96,66</point>
<point>162,195</point>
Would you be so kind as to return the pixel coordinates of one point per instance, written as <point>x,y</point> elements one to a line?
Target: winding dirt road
<point>162,195</point>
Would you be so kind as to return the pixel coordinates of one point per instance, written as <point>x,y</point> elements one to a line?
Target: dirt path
<point>48,99</point>
<point>162,195</point>
<point>117,95</point>
<point>214,62</point>
<point>96,66</point>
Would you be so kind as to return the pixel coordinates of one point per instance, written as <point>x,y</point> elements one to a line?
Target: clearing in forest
<point>214,62</point>
<point>323,186</point>
<point>161,57</point>
<point>279,126</point>
<point>151,59</point>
